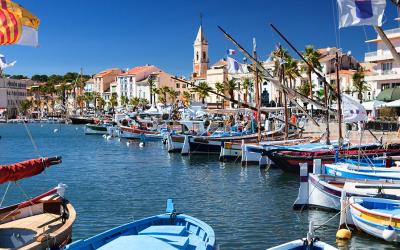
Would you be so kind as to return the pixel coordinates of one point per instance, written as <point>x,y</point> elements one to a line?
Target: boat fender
<point>389,233</point>
<point>343,234</point>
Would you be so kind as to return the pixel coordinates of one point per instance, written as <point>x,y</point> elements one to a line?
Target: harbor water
<point>111,183</point>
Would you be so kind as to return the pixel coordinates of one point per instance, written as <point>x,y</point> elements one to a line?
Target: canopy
<point>371,105</point>
<point>389,95</point>
<point>394,104</point>
<point>25,169</point>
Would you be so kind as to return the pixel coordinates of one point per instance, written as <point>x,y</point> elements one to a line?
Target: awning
<point>371,105</point>
<point>389,95</point>
<point>394,104</point>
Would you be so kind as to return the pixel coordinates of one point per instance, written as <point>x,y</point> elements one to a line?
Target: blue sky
<point>100,34</point>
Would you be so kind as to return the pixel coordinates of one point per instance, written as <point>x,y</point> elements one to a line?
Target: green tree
<point>134,101</point>
<point>89,97</point>
<point>39,78</point>
<point>163,91</point>
<point>246,85</point>
<point>152,85</point>
<point>19,77</point>
<point>312,57</point>
<point>81,99</point>
<point>113,102</point>
<point>101,103</point>
<point>230,87</point>
<point>291,70</point>
<point>202,89</point>
<point>187,96</point>
<point>24,106</point>
<point>359,84</point>
<point>124,100</point>
<point>173,94</point>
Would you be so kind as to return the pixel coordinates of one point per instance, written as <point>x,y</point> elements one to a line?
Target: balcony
<point>376,56</point>
<point>383,75</point>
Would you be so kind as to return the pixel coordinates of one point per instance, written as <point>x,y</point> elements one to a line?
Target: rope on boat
<point>338,213</point>
<point>4,196</point>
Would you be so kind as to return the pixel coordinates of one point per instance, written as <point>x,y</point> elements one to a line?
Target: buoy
<point>141,144</point>
<point>55,130</point>
<point>109,137</point>
<point>104,136</point>
<point>389,233</point>
<point>128,143</point>
<point>343,234</point>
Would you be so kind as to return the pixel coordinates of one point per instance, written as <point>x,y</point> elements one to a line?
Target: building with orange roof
<point>103,79</point>
<point>135,83</point>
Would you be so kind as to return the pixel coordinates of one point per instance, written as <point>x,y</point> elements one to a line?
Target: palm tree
<point>24,106</point>
<point>230,87</point>
<point>220,88</point>
<point>124,100</point>
<point>96,97</point>
<point>152,85</point>
<point>101,103</point>
<point>173,95</point>
<point>81,99</point>
<point>89,97</point>
<point>291,70</point>
<point>164,90</point>
<point>134,101</point>
<point>203,90</point>
<point>113,102</point>
<point>143,102</point>
<point>187,96</point>
<point>279,56</point>
<point>246,85</point>
<point>312,57</point>
<point>359,84</point>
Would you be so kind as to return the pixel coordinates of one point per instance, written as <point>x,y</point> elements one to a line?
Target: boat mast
<point>282,76</point>
<point>257,92</point>
<point>339,100</point>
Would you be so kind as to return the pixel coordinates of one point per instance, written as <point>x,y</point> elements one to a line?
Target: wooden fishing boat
<point>42,222</point>
<point>171,230</point>
<point>376,216</point>
<point>96,129</point>
<point>82,120</point>
<point>137,133</point>
<point>309,243</point>
<point>347,170</point>
<point>289,159</point>
<point>323,191</point>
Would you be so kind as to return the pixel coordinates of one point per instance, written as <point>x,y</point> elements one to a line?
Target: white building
<point>386,72</point>
<point>12,93</point>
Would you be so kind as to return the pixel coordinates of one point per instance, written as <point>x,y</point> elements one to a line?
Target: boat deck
<point>17,233</point>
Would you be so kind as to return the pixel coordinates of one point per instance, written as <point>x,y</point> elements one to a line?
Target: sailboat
<point>42,222</point>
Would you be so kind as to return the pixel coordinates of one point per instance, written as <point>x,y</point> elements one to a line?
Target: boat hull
<point>164,231</point>
<point>95,130</point>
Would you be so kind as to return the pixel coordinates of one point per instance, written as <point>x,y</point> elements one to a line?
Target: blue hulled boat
<point>165,231</point>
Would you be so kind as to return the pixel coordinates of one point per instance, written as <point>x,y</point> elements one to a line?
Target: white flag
<point>234,67</point>
<point>4,64</point>
<point>361,12</point>
<point>353,111</point>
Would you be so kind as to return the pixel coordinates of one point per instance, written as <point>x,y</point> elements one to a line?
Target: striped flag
<point>17,25</point>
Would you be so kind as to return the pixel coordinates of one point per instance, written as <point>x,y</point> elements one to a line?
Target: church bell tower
<point>200,59</point>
